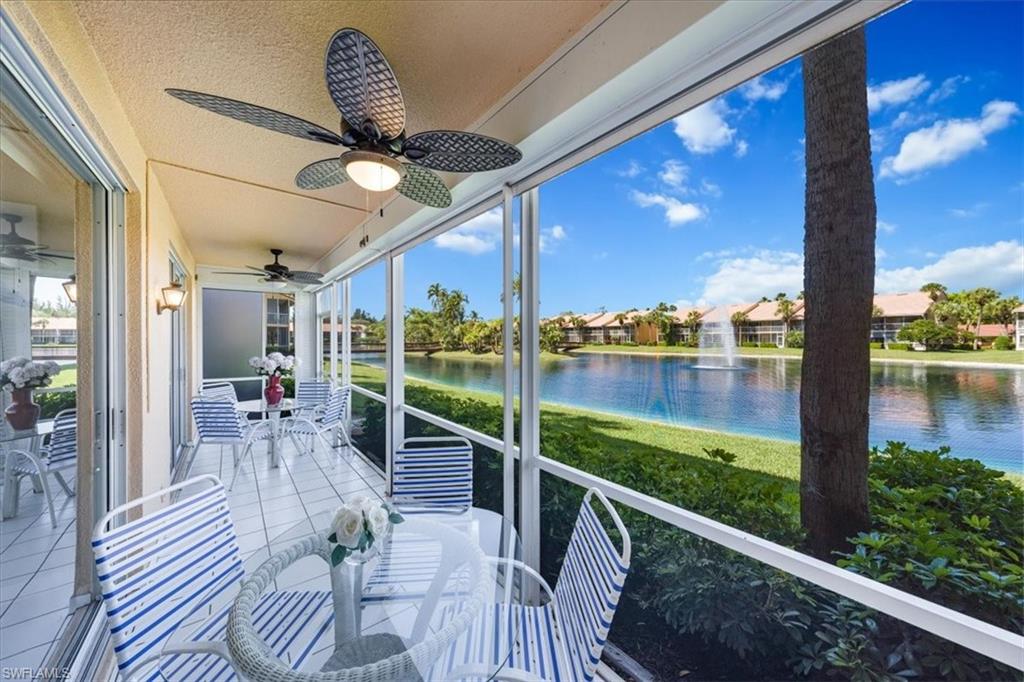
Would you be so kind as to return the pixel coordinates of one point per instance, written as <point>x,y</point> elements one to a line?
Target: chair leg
<point>240,464</point>
<point>49,499</point>
<point>63,484</point>
<point>295,442</point>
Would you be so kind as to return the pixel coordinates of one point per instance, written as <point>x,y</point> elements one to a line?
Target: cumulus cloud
<point>743,279</point>
<point>632,170</point>
<point>885,227</point>
<point>741,149</point>
<point>970,212</point>
<point>550,238</point>
<point>476,236</point>
<point>896,91</point>
<point>995,265</point>
<point>763,88</point>
<point>709,188</point>
<point>704,129</point>
<point>674,173</point>
<point>947,88</point>
<point>676,212</point>
<point>943,142</point>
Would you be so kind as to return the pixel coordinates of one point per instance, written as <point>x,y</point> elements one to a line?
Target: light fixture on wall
<point>372,171</point>
<point>71,289</point>
<point>173,295</point>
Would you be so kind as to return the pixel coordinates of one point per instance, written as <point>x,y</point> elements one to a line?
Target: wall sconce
<point>173,295</point>
<point>71,289</point>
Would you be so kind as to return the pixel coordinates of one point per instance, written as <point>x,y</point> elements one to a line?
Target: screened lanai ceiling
<point>231,185</point>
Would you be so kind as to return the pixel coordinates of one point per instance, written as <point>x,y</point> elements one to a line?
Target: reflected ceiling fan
<point>16,247</point>
<point>364,88</point>
<point>278,273</point>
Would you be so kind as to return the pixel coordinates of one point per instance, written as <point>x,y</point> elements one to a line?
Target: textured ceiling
<point>454,61</point>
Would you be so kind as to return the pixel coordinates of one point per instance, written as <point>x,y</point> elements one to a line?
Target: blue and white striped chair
<point>435,474</point>
<point>219,390</point>
<point>330,420</point>
<point>564,638</point>
<point>311,394</point>
<point>219,423</point>
<point>163,570</point>
<point>58,456</point>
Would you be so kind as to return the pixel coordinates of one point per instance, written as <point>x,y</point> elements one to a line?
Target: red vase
<point>274,392</point>
<point>22,413</point>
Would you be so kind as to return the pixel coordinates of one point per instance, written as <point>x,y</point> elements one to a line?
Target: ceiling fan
<point>16,247</point>
<point>278,273</point>
<point>366,92</point>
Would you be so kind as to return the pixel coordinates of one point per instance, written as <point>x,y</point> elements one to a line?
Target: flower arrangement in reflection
<point>359,527</point>
<point>274,364</point>
<point>21,372</point>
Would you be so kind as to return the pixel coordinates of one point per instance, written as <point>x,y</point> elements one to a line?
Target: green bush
<point>899,346</point>
<point>946,529</point>
<point>1002,343</point>
<point>749,344</point>
<point>876,345</point>
<point>52,402</point>
<point>933,335</point>
<point>795,339</point>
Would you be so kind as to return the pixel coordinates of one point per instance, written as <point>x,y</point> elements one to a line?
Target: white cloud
<point>944,142</point>
<point>883,226</point>
<point>632,170</point>
<point>746,279</point>
<point>997,265</point>
<point>741,149</point>
<point>947,89</point>
<point>896,92</point>
<point>550,238</point>
<point>880,253</point>
<point>907,119</point>
<point>762,88</point>
<point>971,212</point>
<point>704,130</point>
<point>676,212</point>
<point>709,188</point>
<point>476,236</point>
<point>674,173</point>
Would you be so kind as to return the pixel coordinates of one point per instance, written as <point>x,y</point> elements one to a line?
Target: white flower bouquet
<point>274,364</point>
<point>20,372</point>
<point>358,525</point>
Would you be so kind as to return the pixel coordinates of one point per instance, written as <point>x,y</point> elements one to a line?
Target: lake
<point>977,411</point>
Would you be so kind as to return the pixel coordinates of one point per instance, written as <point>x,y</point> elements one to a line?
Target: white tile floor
<point>36,562</point>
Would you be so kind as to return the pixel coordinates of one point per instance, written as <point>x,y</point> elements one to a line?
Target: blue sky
<point>708,207</point>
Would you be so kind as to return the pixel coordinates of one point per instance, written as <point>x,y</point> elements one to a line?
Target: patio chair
<point>218,423</point>
<point>330,420</point>
<point>59,455</point>
<point>219,390</point>
<point>312,395</point>
<point>433,474</point>
<point>562,639</point>
<point>162,570</point>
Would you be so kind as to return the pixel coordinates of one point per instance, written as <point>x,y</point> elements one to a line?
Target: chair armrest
<point>537,577</point>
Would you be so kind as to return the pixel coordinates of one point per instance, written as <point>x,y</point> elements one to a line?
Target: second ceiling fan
<point>379,156</point>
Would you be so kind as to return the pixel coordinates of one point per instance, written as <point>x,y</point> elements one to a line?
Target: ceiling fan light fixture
<point>372,171</point>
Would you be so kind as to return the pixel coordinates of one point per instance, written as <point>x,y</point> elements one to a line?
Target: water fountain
<point>722,355</point>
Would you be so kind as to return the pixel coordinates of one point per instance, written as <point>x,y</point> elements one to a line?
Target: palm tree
<point>839,272</point>
<point>738,319</point>
<point>693,322</point>
<point>436,294</point>
<point>937,292</point>
<point>787,312</point>
<point>877,312</point>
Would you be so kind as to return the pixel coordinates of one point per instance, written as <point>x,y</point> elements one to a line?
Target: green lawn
<point>68,377</point>
<point>980,356</point>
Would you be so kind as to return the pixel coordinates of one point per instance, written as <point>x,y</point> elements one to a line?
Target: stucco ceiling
<point>454,60</point>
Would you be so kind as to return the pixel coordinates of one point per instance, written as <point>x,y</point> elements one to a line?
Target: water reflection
<point>978,412</point>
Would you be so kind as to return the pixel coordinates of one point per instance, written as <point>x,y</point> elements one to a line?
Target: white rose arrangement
<point>358,524</point>
<point>21,372</point>
<point>274,364</point>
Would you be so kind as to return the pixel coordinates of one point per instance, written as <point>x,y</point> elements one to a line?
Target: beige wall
<point>58,40</point>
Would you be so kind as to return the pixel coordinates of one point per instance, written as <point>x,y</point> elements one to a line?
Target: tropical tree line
<point>955,317</point>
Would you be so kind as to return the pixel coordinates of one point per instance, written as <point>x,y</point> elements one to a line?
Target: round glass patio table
<point>413,611</point>
<point>273,413</point>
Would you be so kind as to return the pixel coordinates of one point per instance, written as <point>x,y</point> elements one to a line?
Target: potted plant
<point>20,375</point>
<point>274,366</point>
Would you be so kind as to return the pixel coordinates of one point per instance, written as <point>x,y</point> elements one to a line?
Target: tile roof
<point>914,303</point>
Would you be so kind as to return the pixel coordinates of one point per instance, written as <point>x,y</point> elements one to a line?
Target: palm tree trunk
<point>839,271</point>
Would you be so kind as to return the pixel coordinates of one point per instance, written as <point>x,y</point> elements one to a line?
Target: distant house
<point>1019,335</point>
<point>987,333</point>
<point>719,318</point>
<point>897,311</point>
<point>573,334</point>
<point>51,331</point>
<point>680,330</point>
<point>764,326</point>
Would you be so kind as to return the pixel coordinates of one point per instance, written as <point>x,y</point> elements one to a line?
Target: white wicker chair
<point>161,570</point>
